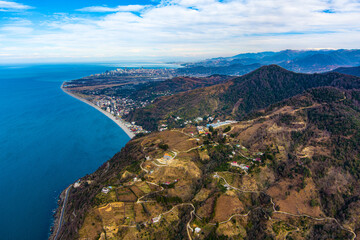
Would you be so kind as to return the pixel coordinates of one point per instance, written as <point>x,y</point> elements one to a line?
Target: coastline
<point>58,216</point>
<point>119,122</point>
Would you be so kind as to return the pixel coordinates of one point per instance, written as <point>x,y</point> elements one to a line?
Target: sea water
<point>47,141</point>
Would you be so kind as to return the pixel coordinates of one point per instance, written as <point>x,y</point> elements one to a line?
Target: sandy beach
<point>119,122</point>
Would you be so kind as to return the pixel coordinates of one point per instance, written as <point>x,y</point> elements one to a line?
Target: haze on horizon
<point>38,31</point>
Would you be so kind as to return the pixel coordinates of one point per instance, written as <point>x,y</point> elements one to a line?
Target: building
<point>156,219</point>
<point>77,184</point>
<point>200,129</point>
<point>219,124</point>
<point>105,190</point>
<point>234,164</point>
<point>242,166</point>
<point>167,157</point>
<point>199,119</point>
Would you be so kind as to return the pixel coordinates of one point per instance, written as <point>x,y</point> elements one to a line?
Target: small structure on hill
<point>219,124</point>
<point>167,157</point>
<point>200,129</point>
<point>242,166</point>
<point>199,119</point>
<point>234,164</point>
<point>77,184</point>
<point>105,190</point>
<point>156,219</point>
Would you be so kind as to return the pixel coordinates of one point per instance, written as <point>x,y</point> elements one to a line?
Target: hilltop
<point>290,172</point>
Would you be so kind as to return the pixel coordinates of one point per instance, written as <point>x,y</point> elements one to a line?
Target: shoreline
<point>119,122</point>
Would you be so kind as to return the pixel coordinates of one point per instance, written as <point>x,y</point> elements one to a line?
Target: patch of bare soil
<point>294,200</point>
<point>226,206</point>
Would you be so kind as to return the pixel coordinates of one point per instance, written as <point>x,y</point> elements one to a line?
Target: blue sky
<point>94,30</point>
<point>72,5</point>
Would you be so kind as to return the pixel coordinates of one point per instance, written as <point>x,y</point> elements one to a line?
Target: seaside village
<point>119,107</point>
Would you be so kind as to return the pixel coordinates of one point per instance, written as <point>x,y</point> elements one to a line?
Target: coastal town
<point>159,73</point>
<point>111,93</point>
<point>122,76</point>
<point>119,107</point>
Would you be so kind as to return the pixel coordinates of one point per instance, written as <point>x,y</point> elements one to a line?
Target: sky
<point>95,30</point>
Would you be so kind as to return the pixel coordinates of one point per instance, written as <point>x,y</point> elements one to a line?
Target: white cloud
<point>17,27</point>
<point>128,8</point>
<point>17,30</point>
<point>189,28</point>
<point>6,6</point>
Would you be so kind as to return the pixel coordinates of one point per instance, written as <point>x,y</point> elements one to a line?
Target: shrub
<point>163,146</point>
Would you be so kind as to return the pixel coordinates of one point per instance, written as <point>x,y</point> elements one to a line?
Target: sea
<point>48,140</point>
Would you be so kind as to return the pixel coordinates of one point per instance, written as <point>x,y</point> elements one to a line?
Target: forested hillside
<point>239,96</point>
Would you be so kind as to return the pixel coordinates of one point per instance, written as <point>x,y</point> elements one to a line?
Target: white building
<point>156,219</point>
<point>199,119</point>
<point>105,190</point>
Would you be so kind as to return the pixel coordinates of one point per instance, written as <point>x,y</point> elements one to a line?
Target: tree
<point>163,146</point>
<point>211,129</point>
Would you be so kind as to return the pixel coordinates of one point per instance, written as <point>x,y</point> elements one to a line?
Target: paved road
<point>62,212</point>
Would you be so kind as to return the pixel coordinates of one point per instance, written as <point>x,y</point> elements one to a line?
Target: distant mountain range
<point>233,69</point>
<point>306,61</point>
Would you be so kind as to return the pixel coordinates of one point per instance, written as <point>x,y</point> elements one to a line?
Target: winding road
<point>286,213</point>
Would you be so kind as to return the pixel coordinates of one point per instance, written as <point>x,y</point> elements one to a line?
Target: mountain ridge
<point>255,90</point>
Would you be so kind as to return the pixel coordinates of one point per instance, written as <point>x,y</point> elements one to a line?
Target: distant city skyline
<point>170,30</point>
